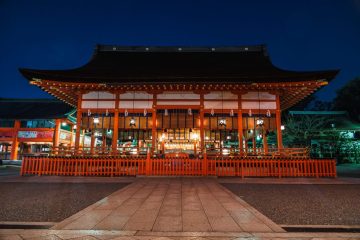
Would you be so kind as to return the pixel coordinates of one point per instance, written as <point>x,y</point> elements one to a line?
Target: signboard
<point>66,136</point>
<point>6,134</point>
<point>36,134</point>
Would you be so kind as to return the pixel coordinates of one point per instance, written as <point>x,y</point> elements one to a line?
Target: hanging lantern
<point>89,113</point>
<point>166,113</point>
<point>259,122</point>
<point>126,113</point>
<point>96,120</point>
<point>250,113</point>
<point>132,122</point>
<point>190,111</point>
<point>268,113</point>
<point>231,113</point>
<point>107,112</point>
<point>222,122</point>
<point>145,112</point>
<point>212,112</point>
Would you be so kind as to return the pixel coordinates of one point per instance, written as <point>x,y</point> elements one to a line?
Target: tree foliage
<point>348,99</point>
<point>301,129</point>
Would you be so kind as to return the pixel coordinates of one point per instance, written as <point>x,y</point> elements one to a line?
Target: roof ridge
<point>179,48</point>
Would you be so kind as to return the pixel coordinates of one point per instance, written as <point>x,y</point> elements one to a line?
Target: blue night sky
<point>300,35</point>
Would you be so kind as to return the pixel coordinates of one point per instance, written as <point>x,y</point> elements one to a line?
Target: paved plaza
<point>169,208</point>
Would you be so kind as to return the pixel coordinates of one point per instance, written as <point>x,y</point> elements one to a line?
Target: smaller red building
<point>33,127</point>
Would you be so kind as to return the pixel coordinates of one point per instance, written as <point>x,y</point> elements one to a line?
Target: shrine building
<point>178,101</point>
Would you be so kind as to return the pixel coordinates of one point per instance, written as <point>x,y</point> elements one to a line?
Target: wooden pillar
<point>71,135</point>
<point>78,123</point>
<point>104,141</point>
<point>266,148</point>
<point>92,143</point>
<point>202,132</point>
<point>15,142</point>
<point>240,126</point>
<point>153,130</point>
<point>254,143</point>
<point>56,135</point>
<point>278,122</point>
<point>116,125</point>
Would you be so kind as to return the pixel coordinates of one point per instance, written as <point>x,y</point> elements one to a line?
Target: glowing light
<point>225,151</point>
<point>282,127</point>
<point>63,124</point>
<point>96,120</point>
<point>194,136</point>
<point>260,121</point>
<point>222,122</point>
<point>132,122</point>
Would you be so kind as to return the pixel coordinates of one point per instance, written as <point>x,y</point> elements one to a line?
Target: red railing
<point>182,166</point>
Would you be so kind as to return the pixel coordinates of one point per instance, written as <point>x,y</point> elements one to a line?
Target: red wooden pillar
<point>265,143</point>
<point>116,125</point>
<point>15,142</point>
<point>78,123</point>
<point>240,126</point>
<point>153,130</point>
<point>202,132</point>
<point>71,135</point>
<point>278,122</point>
<point>92,143</point>
<point>56,135</point>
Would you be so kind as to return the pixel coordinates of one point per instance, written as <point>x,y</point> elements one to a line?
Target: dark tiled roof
<point>33,109</point>
<point>124,65</point>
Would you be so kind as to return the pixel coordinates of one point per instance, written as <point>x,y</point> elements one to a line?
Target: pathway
<point>171,205</point>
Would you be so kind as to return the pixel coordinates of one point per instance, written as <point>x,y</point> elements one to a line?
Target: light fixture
<point>132,122</point>
<point>63,124</point>
<point>212,112</point>
<point>89,113</point>
<point>231,113</point>
<point>259,122</point>
<point>96,120</point>
<point>194,136</point>
<point>166,113</point>
<point>145,112</point>
<point>268,113</point>
<point>222,122</point>
<point>282,127</point>
<point>250,113</point>
<point>190,111</point>
<point>228,137</point>
<point>107,112</point>
<point>75,127</point>
<point>126,113</point>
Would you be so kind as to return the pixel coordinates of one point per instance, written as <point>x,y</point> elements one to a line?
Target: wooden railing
<point>136,151</point>
<point>182,166</point>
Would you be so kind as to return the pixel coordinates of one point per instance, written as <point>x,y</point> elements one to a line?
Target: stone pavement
<point>145,235</point>
<point>171,205</point>
<point>171,209</point>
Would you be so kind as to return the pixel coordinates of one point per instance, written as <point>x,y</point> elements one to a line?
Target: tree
<point>300,129</point>
<point>348,98</point>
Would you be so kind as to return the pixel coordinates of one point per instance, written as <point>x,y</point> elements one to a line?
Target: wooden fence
<point>207,166</point>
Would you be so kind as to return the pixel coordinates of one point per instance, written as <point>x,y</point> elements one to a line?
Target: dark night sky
<point>300,35</point>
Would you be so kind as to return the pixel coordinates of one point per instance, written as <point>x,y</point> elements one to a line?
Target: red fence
<point>132,166</point>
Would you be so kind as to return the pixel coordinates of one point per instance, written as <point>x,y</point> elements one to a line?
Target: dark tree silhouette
<point>348,99</point>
